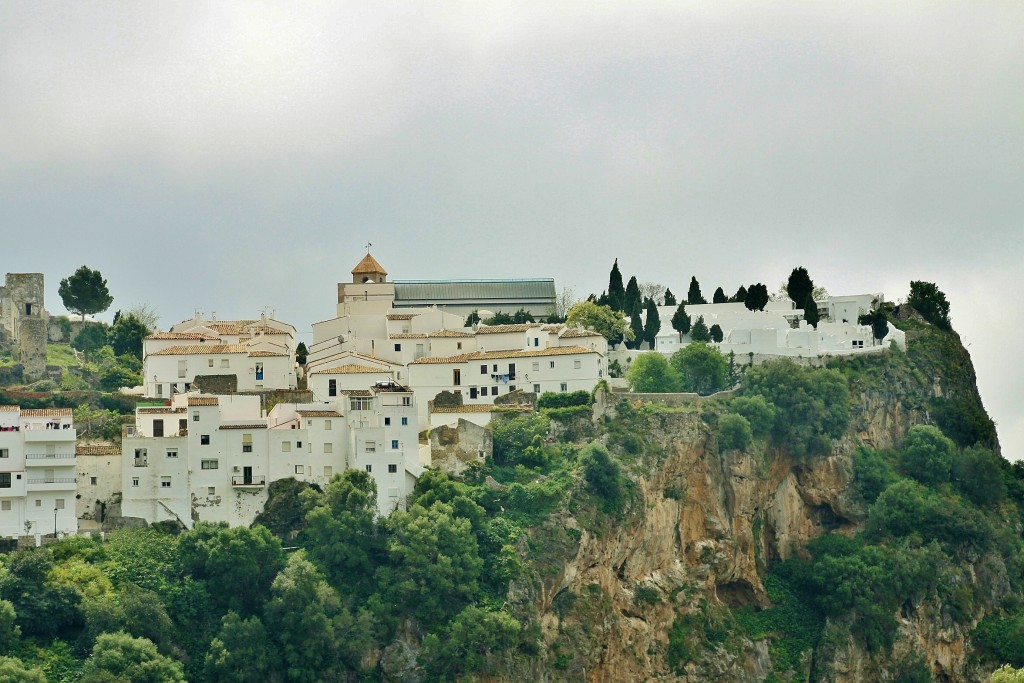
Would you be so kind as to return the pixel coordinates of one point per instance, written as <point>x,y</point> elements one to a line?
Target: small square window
<point>165,482</point>
<point>286,446</point>
<point>407,400</point>
<point>392,469</point>
<point>494,391</point>
<point>369,468</point>
<point>577,364</point>
<point>298,469</point>
<point>398,347</point>
<point>327,424</point>
<point>39,503</point>
<point>172,452</point>
<point>564,386</point>
<point>328,471</point>
<point>494,368</point>
<point>536,388</point>
<point>535,367</point>
<point>405,421</point>
<point>195,416</point>
<point>387,421</point>
<point>328,447</point>
<point>5,453</point>
<point>209,464</point>
<point>135,481</point>
<point>298,444</point>
<point>5,505</point>
<point>371,446</point>
<point>552,365</point>
<point>211,490</point>
<point>92,480</point>
<point>458,346</point>
<point>247,448</point>
<point>209,363</point>
<point>59,504</point>
<point>204,439</point>
<point>225,362</point>
<point>394,444</point>
<point>483,369</point>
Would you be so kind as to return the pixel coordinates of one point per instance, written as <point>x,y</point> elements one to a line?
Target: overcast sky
<point>230,156</point>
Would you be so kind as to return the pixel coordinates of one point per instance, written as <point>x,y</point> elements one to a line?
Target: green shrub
<point>1002,637</point>
<point>758,411</point>
<point>978,474</point>
<point>733,433</point>
<point>512,435</point>
<point>603,476</point>
<point>872,474</point>
<point>554,399</point>
<point>927,455</point>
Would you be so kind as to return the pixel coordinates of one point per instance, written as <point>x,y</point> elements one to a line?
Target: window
<point>458,346</point>
<point>394,444</point>
<point>577,364</point>
<point>328,471</point>
<point>360,402</point>
<point>204,439</point>
<point>5,480</point>
<point>332,387</point>
<point>298,469</point>
<point>39,503</point>
<point>405,421</point>
<point>5,453</point>
<point>286,446</point>
<point>195,416</point>
<point>172,452</point>
<point>407,400</point>
<point>298,444</point>
<point>494,368</point>
<point>398,347</point>
<point>135,481</point>
<point>456,377</point>
<point>211,490</point>
<point>392,469</point>
<point>536,341</point>
<point>209,363</point>
<point>59,504</point>
<point>387,421</point>
<point>536,388</point>
<point>158,427</point>
<point>472,392</point>
<point>564,387</point>
<point>92,480</point>
<point>483,369</point>
<point>494,391</point>
<point>511,387</point>
<point>28,309</point>
<point>209,464</point>
<point>165,482</point>
<point>247,443</point>
<point>328,447</point>
<point>5,505</point>
<point>159,389</point>
<point>327,424</point>
<point>224,362</point>
<point>181,369</point>
<point>369,468</point>
<point>535,367</point>
<point>371,446</point>
<point>552,366</point>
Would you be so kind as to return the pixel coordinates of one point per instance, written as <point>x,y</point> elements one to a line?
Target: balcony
<point>51,483</point>
<point>49,459</point>
<point>255,481</point>
<point>15,490</point>
<point>50,435</point>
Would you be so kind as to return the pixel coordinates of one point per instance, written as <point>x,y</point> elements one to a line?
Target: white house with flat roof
<point>212,458</point>
<point>37,472</point>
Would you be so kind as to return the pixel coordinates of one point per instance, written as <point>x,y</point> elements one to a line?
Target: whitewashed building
<point>212,458</point>
<point>98,480</point>
<point>37,472</point>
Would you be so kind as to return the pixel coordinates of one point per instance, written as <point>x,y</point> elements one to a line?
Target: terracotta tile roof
<point>553,327</point>
<point>479,409</point>
<point>200,349</point>
<point>47,412</point>
<point>254,425</point>
<point>408,335</point>
<point>318,413</point>
<point>401,316</point>
<point>488,355</point>
<point>368,265</point>
<point>166,410</point>
<point>501,329</point>
<point>356,392</point>
<point>351,370</point>
<point>203,401</point>
<point>265,354</point>
<point>574,332</point>
<point>441,334</point>
<point>12,409</point>
<point>181,335</point>
<point>265,329</point>
<point>97,450</point>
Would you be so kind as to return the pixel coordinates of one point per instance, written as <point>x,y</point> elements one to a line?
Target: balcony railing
<point>49,456</point>
<point>254,480</point>
<point>52,480</point>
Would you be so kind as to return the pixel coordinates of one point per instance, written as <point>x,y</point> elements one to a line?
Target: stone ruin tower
<point>23,322</point>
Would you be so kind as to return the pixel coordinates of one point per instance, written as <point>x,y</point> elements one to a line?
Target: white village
<point>397,381</point>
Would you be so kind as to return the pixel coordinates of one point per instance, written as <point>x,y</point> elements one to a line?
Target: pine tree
<point>653,325</point>
<point>616,292</point>
<point>632,302</point>
<point>740,296</point>
<point>716,333</point>
<point>681,321</point>
<point>719,297</point>
<point>694,296</point>
<point>670,298</point>
<point>757,297</point>
<point>700,331</point>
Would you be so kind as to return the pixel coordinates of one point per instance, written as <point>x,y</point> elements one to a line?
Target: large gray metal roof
<point>480,292</point>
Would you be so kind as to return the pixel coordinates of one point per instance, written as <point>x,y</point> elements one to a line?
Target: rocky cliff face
<point>613,597</point>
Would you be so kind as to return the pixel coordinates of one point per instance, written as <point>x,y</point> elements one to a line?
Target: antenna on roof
<point>368,245</point>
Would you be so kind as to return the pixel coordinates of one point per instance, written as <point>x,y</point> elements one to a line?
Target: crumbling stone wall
<point>452,449</point>
<point>23,321</point>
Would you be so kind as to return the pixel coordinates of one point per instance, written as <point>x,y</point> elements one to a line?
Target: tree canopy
<point>670,298</point>
<point>930,302</point>
<point>85,292</point>
<point>757,297</point>
<point>631,301</point>
<point>651,373</point>
<point>652,325</point>
<point>719,297</point>
<point>693,295</point>
<point>601,319</point>
<point>700,332</point>
<point>799,286</point>
<point>700,368</point>
<point>616,291</point>
<point>811,311</point>
<point>681,321</point>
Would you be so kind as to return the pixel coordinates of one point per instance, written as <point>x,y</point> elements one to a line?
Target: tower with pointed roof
<point>369,292</point>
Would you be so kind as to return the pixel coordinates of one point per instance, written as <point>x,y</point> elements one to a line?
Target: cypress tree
<point>799,286</point>
<point>694,296</point>
<point>716,333</point>
<point>700,331</point>
<point>757,297</point>
<point>740,296</point>
<point>670,298</point>
<point>653,325</point>
<point>811,311</point>
<point>719,297</point>
<point>632,302</point>
<point>637,326</point>
<point>616,292</point>
<point>681,321</point>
